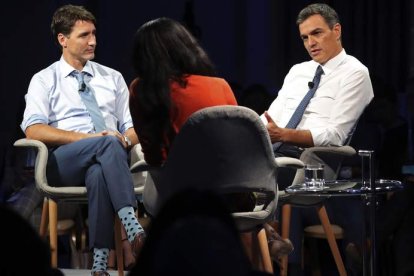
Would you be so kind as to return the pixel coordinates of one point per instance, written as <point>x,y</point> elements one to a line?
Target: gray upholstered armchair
<point>332,158</point>
<point>53,195</point>
<point>225,149</point>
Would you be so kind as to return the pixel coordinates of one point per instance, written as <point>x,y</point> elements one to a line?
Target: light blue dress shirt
<point>53,98</point>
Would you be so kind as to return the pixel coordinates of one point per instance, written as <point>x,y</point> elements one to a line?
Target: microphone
<point>82,87</point>
<point>311,84</point>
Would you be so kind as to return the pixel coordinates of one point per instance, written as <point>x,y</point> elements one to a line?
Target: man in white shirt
<point>343,93</point>
<point>344,90</point>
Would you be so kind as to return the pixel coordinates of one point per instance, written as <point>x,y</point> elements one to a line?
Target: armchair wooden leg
<point>257,250</point>
<point>53,235</point>
<point>118,246</point>
<point>286,211</point>
<point>44,219</point>
<point>323,216</point>
<point>264,251</point>
<point>249,240</point>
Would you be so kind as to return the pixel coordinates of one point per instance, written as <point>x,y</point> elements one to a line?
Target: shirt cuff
<point>35,119</point>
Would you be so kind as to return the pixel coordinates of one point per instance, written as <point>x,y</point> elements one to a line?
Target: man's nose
<point>311,41</point>
<point>92,41</point>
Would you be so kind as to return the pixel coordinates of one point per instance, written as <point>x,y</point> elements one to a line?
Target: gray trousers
<point>101,164</point>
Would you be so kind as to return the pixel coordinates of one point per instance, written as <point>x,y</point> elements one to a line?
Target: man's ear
<point>62,39</point>
<point>337,30</point>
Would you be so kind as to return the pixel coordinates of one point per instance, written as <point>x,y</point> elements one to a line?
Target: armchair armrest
<point>142,166</point>
<point>41,159</point>
<point>330,157</point>
<point>40,172</point>
<point>342,151</point>
<point>289,162</point>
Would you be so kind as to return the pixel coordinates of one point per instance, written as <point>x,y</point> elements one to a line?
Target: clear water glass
<point>314,177</point>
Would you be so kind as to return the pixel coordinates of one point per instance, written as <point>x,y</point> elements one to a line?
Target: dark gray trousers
<point>101,164</point>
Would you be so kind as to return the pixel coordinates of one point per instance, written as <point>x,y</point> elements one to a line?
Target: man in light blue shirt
<point>81,154</point>
<point>53,100</point>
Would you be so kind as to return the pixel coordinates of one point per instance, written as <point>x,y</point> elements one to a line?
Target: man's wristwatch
<point>127,141</point>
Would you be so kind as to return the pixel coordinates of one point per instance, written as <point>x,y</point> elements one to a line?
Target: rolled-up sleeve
<point>122,105</point>
<point>37,103</point>
<point>354,95</point>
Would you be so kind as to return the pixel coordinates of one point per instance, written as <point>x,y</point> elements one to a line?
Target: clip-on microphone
<point>83,86</point>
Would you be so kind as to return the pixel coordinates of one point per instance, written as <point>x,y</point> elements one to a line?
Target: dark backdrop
<point>250,41</point>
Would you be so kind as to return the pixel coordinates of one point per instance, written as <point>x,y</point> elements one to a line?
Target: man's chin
<point>90,56</point>
<point>318,59</point>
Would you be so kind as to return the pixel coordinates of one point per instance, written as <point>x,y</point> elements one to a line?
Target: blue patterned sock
<point>130,222</point>
<point>100,259</point>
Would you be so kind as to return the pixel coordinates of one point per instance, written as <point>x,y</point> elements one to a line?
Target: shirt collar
<point>334,62</point>
<point>67,69</point>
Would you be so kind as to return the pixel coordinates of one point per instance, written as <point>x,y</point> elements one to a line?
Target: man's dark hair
<point>65,18</point>
<point>329,14</point>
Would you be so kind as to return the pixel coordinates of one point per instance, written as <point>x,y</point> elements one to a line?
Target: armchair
<point>225,149</point>
<point>54,195</point>
<point>332,158</point>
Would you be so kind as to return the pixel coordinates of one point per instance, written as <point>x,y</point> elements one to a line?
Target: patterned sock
<point>130,222</point>
<point>100,259</point>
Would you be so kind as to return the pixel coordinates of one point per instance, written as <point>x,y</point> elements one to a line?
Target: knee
<point>115,146</point>
<point>110,139</point>
<point>113,142</point>
<point>110,144</point>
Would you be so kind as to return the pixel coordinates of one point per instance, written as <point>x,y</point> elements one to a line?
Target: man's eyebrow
<point>316,30</point>
<point>86,33</point>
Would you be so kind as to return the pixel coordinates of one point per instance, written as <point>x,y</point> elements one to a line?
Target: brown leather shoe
<point>278,247</point>
<point>100,273</point>
<point>138,243</point>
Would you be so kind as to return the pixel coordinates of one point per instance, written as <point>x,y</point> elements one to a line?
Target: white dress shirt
<point>53,98</point>
<point>344,91</point>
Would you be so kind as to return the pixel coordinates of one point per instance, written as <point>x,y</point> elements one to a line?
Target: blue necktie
<point>297,115</point>
<point>90,102</point>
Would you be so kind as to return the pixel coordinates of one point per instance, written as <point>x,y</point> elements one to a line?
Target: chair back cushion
<point>222,148</point>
